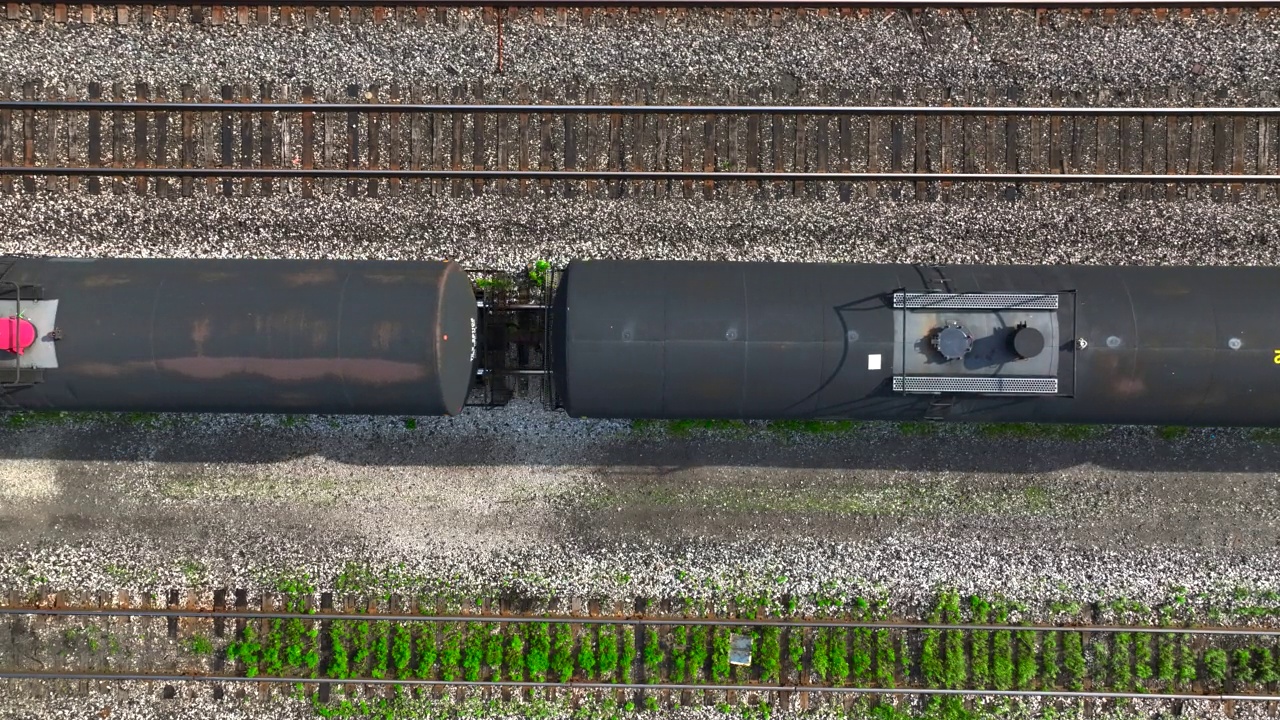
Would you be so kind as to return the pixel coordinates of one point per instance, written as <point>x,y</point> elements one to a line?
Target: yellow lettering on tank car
<point>1276,359</point>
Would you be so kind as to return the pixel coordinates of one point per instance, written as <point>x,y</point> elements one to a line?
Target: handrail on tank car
<point>17,311</point>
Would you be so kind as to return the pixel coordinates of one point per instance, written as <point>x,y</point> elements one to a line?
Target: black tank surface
<point>1159,345</point>
<point>274,336</point>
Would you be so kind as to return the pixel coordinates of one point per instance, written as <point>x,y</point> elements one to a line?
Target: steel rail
<point>625,620</point>
<point>632,175</point>
<point>577,109</point>
<point>1082,694</point>
<point>760,4</point>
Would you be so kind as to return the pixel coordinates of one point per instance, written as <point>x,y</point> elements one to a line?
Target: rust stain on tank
<point>96,281</point>
<point>319,334</point>
<point>369,372</point>
<point>291,324</point>
<point>385,332</point>
<point>387,279</point>
<point>318,276</point>
<point>200,334</point>
<point>363,372</point>
<point>1123,383</point>
<point>105,370</point>
<point>1172,289</point>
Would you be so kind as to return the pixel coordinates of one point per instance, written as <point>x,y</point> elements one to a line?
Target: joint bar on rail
<point>636,175</point>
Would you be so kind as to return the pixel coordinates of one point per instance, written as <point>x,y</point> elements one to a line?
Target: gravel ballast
<point>985,48</point>
<point>504,233</point>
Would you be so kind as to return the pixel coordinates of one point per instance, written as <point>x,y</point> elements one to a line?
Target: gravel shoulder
<point>702,50</point>
<point>526,502</point>
<point>504,233</point>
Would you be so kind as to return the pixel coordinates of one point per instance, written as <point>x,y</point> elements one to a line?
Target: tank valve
<point>1026,342</point>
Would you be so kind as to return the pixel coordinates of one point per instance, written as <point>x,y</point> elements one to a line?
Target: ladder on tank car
<point>940,404</point>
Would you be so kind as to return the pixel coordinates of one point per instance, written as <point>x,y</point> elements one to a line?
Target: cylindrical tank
<point>1085,344</point>
<point>274,336</point>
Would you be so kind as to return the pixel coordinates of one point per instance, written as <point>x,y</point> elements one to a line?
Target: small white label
<point>873,362</point>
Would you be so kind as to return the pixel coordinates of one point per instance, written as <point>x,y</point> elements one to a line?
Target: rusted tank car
<point>1145,345</point>
<point>274,336</point>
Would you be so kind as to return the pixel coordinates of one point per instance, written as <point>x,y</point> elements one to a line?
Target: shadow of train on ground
<point>503,437</point>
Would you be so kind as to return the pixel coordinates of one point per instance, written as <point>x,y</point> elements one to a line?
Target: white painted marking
<point>873,362</point>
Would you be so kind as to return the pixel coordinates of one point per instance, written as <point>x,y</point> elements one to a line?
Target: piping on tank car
<point>275,336</point>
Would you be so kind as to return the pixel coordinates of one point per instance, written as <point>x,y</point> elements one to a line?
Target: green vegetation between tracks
<point>1019,657</point>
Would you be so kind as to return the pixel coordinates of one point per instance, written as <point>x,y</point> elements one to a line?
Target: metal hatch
<point>980,343</point>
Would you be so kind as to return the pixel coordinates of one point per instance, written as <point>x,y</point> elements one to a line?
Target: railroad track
<point>659,659</point>
<point>372,140</point>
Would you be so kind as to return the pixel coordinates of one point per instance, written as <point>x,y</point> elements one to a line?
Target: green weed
<point>769,659</point>
<point>699,636</point>
<point>199,645</point>
<point>339,663</point>
<point>885,659</point>
<point>272,661</point>
<point>1049,661</point>
<point>720,646</point>
<point>1267,671</point>
<point>812,427</point>
<point>1166,668</point>
<point>1187,664</point>
<point>247,650</point>
<point>1038,431</point>
<point>1242,668</point>
<point>538,652</point>
<point>515,657</point>
<point>498,283</point>
<point>917,429</point>
<point>795,649</point>
<point>1142,659</point>
<point>955,670</point>
<point>451,652</point>
<point>538,271</point>
<point>980,644</point>
<point>294,650</point>
<point>401,651</point>
<point>820,660</point>
<point>587,654</point>
<point>1002,659</point>
<point>838,655</point>
<point>1027,667</point>
<point>562,653</point>
<point>493,652</point>
<point>428,651</point>
<point>627,653</point>
<point>653,657</point>
<point>473,652</point>
<point>607,654</point>
<point>1215,664</point>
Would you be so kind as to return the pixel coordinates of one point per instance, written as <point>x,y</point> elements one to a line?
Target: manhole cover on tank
<point>952,341</point>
